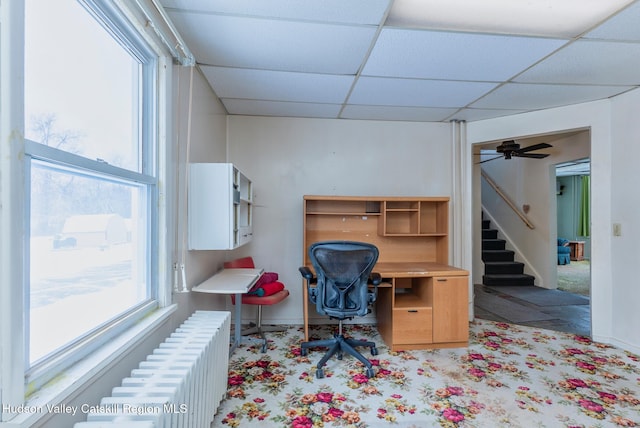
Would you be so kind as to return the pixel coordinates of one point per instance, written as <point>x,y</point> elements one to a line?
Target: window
<point>90,89</point>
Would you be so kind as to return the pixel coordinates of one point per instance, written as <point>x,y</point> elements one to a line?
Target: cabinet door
<point>220,207</point>
<point>450,309</point>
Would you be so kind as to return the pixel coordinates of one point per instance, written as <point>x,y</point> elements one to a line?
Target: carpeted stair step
<point>497,255</point>
<point>493,244</point>
<point>489,234</point>
<point>499,266</point>
<point>496,268</point>
<point>508,279</point>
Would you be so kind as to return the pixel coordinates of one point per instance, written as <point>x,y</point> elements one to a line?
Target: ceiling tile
<point>278,108</point>
<point>341,11</point>
<point>416,93</point>
<point>417,114</point>
<point>589,62</point>
<point>624,26</point>
<point>522,96</point>
<point>547,18</point>
<point>274,44</point>
<point>277,85</point>
<point>454,56</point>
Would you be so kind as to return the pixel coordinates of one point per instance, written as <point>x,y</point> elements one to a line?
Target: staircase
<point>499,265</point>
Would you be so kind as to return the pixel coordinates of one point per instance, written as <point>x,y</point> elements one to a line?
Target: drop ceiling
<point>410,60</point>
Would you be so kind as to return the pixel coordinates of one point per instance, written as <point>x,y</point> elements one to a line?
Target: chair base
<point>262,341</point>
<point>259,329</point>
<point>339,345</point>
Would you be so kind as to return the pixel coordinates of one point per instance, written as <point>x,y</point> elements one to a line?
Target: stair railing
<point>511,205</point>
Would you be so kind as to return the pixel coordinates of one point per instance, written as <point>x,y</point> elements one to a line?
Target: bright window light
<point>91,268</point>
<point>80,84</point>
<point>87,248</point>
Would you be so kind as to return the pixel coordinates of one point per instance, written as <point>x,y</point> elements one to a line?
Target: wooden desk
<point>423,302</point>
<point>419,306</point>
<point>232,281</point>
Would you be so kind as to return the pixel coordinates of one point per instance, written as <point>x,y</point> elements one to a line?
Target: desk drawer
<point>412,326</point>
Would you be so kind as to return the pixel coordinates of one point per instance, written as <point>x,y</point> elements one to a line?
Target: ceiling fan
<point>510,148</point>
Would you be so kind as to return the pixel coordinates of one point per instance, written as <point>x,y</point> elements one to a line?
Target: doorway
<point>542,304</point>
<point>573,182</point>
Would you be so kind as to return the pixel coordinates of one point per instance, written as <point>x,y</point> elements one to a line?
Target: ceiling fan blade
<point>487,160</point>
<point>534,147</point>
<point>530,155</point>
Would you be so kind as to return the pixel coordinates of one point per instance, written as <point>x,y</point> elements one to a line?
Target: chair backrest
<point>244,262</point>
<point>342,269</point>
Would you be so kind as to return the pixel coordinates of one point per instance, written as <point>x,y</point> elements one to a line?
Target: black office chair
<point>340,289</point>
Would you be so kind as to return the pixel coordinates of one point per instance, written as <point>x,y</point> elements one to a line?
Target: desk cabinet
<point>423,302</point>
<point>424,312</point>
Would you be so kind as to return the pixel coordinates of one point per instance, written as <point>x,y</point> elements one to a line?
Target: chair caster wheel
<point>370,372</point>
<point>263,349</point>
<point>304,352</point>
<point>319,373</point>
<point>340,355</point>
<point>374,351</point>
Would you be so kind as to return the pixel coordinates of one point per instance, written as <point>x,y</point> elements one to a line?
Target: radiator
<point>179,385</point>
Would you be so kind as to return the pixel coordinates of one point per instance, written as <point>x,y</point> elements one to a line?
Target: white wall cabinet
<point>220,207</point>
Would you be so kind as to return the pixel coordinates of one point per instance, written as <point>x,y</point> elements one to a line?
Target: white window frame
<point>14,156</point>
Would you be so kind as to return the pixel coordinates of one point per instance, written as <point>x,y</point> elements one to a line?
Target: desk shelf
<point>419,217</point>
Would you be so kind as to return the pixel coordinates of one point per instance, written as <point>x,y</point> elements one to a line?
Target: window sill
<point>75,379</point>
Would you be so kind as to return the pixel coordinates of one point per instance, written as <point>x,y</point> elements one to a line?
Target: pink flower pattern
<point>508,376</point>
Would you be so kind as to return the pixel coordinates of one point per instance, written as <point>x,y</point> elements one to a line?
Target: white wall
<point>288,158</point>
<point>614,131</point>
<point>625,209</point>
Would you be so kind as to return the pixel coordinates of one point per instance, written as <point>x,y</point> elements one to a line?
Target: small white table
<point>232,281</point>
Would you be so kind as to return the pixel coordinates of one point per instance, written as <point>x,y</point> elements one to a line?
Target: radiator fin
<point>179,385</point>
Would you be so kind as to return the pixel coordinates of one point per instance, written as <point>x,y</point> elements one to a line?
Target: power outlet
<point>617,229</point>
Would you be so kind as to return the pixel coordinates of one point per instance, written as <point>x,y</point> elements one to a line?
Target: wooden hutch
<point>422,302</point>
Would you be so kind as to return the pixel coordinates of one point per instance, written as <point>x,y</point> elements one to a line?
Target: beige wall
<point>288,158</point>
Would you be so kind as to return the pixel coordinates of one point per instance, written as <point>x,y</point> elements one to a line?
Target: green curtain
<point>584,221</point>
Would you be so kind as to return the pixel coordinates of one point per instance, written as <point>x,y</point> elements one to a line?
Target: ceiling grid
<point>411,60</point>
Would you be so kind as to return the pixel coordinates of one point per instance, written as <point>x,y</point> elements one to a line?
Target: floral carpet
<point>508,376</point>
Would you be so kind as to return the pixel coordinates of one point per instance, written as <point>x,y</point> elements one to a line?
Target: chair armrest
<point>375,278</point>
<point>306,273</point>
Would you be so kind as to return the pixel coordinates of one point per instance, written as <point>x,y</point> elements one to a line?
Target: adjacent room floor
<point>566,309</point>
<point>534,306</point>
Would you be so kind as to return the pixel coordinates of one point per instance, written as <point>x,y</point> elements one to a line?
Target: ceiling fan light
<point>545,18</point>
